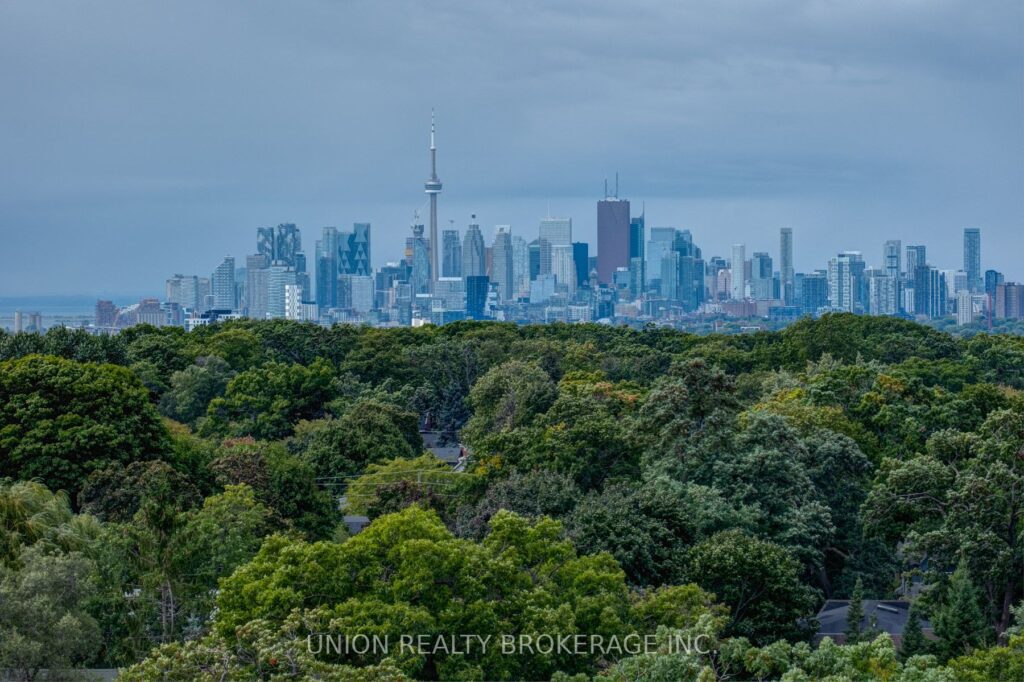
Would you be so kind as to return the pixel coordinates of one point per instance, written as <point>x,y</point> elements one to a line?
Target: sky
<point>142,139</point>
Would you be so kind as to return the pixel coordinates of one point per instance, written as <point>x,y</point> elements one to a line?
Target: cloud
<point>175,129</point>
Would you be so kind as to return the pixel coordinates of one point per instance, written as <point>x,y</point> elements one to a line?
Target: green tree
<point>993,664</point>
<point>508,396</point>
<point>214,540</point>
<point>758,581</point>
<point>368,432</point>
<point>32,515</point>
<point>43,622</point>
<point>193,388</point>
<point>855,613</point>
<point>421,478</point>
<point>281,481</point>
<point>117,492</point>
<point>532,494</point>
<point>914,642</point>
<point>266,402</point>
<point>959,622</point>
<point>61,420</point>
<point>406,570</point>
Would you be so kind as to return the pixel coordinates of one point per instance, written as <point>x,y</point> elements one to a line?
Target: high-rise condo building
<point>842,285</point>
<point>1008,301</point>
<point>501,268</point>
<point>916,255</point>
<point>929,292</point>
<point>520,267</point>
<point>281,274</point>
<point>883,292</point>
<point>964,308</point>
<point>993,278</point>
<point>891,254</point>
<point>222,282</point>
<point>761,276</point>
<point>738,266</point>
<point>786,271</point>
<point>257,284</point>
<point>972,259</point>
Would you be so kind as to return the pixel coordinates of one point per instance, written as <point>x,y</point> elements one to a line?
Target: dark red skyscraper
<point>612,235</point>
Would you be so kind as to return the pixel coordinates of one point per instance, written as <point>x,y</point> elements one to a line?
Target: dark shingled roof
<point>889,616</point>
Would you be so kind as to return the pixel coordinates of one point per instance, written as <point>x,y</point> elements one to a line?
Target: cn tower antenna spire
<point>433,187</point>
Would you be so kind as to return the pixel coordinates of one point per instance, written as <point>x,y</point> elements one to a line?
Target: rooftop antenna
<point>616,184</point>
<point>606,195</point>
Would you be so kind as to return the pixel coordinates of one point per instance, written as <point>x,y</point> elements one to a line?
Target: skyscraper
<point>916,255</point>
<point>658,245</point>
<point>222,282</point>
<point>420,278</point>
<point>327,255</point>
<point>580,260</point>
<point>501,273</point>
<point>451,265</point>
<point>433,187</point>
<point>562,267</point>
<point>964,308</point>
<point>1008,301</point>
<point>813,292</point>
<point>738,266</point>
<point>883,292</point>
<point>636,237</point>
<point>357,243</point>
<point>891,258</point>
<point>282,243</point>
<point>106,313</point>
<point>476,296</point>
<point>556,231</point>
<point>637,264</point>
<point>612,235</point>
<point>281,274</point>
<point>993,278</point>
<point>842,289</point>
<point>521,267</point>
<point>761,276</point>
<point>474,257</point>
<point>929,291</point>
<point>786,264</point>
<point>257,283</point>
<point>972,259</point>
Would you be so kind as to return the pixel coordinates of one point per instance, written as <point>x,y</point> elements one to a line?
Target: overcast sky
<point>140,139</point>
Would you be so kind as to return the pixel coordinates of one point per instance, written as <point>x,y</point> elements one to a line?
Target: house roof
<point>890,616</point>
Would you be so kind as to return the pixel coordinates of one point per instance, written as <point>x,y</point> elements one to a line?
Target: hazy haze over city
<point>144,139</point>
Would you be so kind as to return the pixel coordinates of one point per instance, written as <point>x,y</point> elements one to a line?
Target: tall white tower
<point>433,187</point>
<point>739,279</point>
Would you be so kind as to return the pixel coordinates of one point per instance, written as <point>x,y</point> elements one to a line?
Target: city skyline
<point>135,158</point>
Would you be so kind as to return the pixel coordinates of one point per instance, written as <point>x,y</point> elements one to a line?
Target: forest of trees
<point>171,503</point>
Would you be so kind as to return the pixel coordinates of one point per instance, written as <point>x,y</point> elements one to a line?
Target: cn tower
<point>433,187</point>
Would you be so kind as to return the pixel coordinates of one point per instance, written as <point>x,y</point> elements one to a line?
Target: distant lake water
<point>72,311</point>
